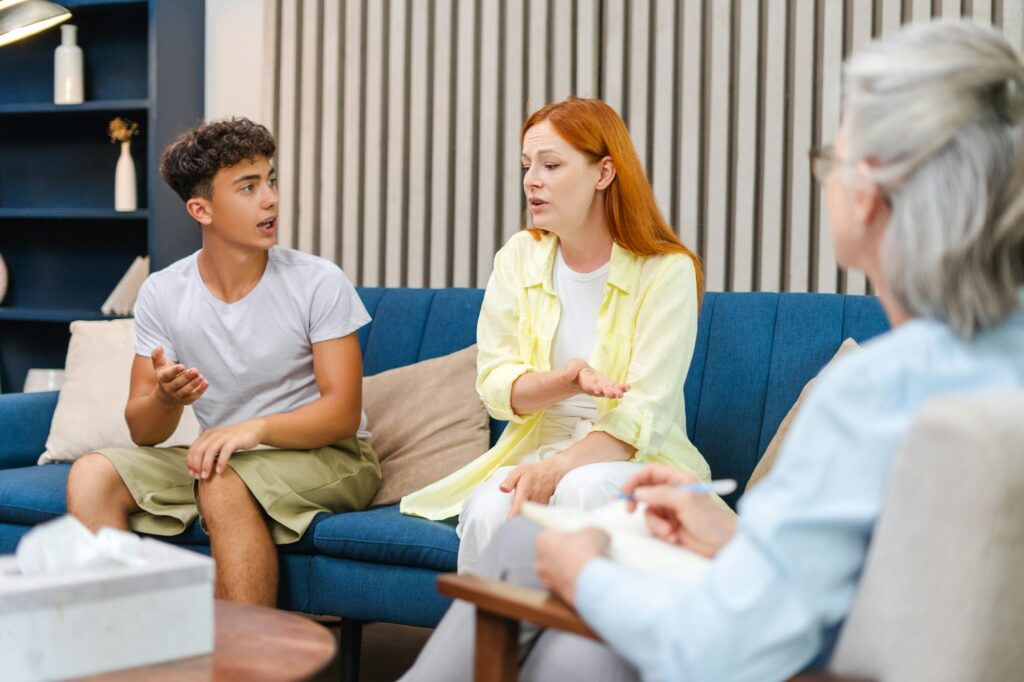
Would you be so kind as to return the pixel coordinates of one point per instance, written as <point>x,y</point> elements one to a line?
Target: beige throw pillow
<point>90,409</point>
<point>772,451</point>
<point>427,421</point>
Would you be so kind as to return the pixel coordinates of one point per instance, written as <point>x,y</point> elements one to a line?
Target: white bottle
<point>124,180</point>
<point>67,68</point>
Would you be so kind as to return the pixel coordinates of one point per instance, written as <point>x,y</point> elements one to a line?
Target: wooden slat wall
<point>398,122</point>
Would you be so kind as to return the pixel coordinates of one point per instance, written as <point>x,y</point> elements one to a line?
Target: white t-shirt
<point>580,295</point>
<point>256,352</point>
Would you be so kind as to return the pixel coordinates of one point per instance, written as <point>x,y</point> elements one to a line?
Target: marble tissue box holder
<point>92,620</point>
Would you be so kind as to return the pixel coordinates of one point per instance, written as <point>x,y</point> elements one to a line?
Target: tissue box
<point>95,620</point>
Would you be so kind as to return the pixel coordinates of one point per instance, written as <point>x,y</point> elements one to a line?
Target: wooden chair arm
<point>499,608</point>
<point>514,602</point>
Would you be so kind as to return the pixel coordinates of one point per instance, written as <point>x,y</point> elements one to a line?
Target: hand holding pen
<point>679,510</point>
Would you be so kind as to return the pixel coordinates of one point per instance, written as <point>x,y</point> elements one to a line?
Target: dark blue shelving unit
<point>64,245</point>
<point>114,106</point>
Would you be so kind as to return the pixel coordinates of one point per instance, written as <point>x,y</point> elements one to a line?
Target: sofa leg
<point>351,643</point>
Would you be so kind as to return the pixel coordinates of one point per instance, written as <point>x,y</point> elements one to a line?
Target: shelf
<point>74,4</point>
<point>108,105</point>
<point>65,315</point>
<point>73,214</point>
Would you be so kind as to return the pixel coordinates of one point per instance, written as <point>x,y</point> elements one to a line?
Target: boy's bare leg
<point>239,541</point>
<point>96,494</point>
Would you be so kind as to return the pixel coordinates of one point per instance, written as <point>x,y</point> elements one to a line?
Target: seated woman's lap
<point>550,654</point>
<point>487,507</point>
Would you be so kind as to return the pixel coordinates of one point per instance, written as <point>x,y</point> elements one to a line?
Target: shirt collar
<point>623,271</point>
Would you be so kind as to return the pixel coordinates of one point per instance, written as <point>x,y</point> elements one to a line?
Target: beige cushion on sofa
<point>427,421</point>
<point>941,597</point>
<point>90,409</point>
<point>772,451</point>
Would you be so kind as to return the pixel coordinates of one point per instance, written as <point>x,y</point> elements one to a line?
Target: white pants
<point>585,487</point>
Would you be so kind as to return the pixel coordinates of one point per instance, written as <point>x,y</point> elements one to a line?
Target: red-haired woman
<point>585,335</point>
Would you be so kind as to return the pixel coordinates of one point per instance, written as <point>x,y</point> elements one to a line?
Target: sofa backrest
<point>754,353</point>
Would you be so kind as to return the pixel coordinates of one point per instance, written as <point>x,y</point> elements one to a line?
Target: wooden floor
<point>388,651</point>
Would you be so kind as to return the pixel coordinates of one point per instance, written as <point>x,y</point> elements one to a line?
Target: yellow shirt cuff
<point>496,391</point>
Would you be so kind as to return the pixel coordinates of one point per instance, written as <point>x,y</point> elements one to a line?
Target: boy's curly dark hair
<point>190,162</point>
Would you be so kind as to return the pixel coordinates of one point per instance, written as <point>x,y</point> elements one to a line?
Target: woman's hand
<point>562,556</point>
<point>534,482</point>
<point>589,381</point>
<point>214,447</point>
<point>692,520</point>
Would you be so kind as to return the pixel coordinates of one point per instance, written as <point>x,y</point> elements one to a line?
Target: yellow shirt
<point>646,330</point>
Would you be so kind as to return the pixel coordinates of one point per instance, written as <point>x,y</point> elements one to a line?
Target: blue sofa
<point>754,353</point>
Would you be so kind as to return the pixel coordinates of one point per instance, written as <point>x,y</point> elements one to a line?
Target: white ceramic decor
<point>124,180</point>
<point>67,68</point>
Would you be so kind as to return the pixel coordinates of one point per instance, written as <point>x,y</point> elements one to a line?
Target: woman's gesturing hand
<point>590,381</point>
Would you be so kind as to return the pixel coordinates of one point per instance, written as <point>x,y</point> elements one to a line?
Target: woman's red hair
<point>635,223</point>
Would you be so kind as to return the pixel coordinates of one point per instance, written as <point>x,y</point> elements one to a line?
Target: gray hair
<point>937,109</point>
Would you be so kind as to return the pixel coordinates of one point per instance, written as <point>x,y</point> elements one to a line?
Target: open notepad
<point>631,542</point>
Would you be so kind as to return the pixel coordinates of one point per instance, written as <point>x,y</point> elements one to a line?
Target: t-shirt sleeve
<point>149,328</point>
<point>336,309</point>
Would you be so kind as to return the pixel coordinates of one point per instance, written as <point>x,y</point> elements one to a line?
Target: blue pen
<point>722,486</point>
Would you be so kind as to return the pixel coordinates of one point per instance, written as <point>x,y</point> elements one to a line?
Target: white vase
<point>124,180</point>
<point>67,68</point>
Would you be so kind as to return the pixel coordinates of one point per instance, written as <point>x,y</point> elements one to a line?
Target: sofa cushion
<point>382,535</point>
<point>90,409</point>
<point>33,494</point>
<point>427,422</point>
<point>754,353</point>
<point>767,460</point>
<point>410,325</point>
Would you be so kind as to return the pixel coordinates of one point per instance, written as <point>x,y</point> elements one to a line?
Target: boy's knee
<point>92,473</point>
<point>93,478</point>
<point>222,494</point>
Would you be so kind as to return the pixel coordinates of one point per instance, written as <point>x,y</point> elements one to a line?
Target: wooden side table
<point>251,643</point>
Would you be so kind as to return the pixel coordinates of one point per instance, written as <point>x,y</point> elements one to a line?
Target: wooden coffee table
<point>251,643</point>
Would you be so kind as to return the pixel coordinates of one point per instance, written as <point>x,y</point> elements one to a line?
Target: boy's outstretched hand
<point>214,447</point>
<point>176,384</point>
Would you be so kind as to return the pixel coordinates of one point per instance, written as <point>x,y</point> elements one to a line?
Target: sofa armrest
<point>24,426</point>
<point>499,608</point>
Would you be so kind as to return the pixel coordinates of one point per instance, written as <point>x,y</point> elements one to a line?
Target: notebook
<point>631,542</point>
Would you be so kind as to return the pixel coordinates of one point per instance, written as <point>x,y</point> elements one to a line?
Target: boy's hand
<point>177,385</point>
<point>211,452</point>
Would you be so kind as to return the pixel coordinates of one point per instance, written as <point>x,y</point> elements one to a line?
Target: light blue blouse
<point>789,575</point>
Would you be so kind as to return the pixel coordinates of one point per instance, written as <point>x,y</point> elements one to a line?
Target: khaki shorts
<point>292,486</point>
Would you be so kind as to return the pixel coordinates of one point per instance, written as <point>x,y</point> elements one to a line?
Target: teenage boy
<point>261,341</point>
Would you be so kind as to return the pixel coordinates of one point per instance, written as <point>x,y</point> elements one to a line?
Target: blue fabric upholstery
<point>382,535</point>
<point>24,425</point>
<point>375,592</point>
<point>753,355</point>
<point>33,494</point>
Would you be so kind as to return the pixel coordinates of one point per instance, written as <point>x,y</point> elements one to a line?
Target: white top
<point>257,352</point>
<point>580,295</point>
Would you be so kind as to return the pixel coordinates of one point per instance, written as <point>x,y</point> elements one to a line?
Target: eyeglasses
<point>822,160</point>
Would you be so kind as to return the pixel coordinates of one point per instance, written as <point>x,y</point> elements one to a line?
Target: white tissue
<point>65,544</point>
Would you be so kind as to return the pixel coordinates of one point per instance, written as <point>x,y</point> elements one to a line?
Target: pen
<point>722,486</point>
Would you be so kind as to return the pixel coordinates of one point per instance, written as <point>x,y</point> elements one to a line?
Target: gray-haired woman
<point>925,193</point>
